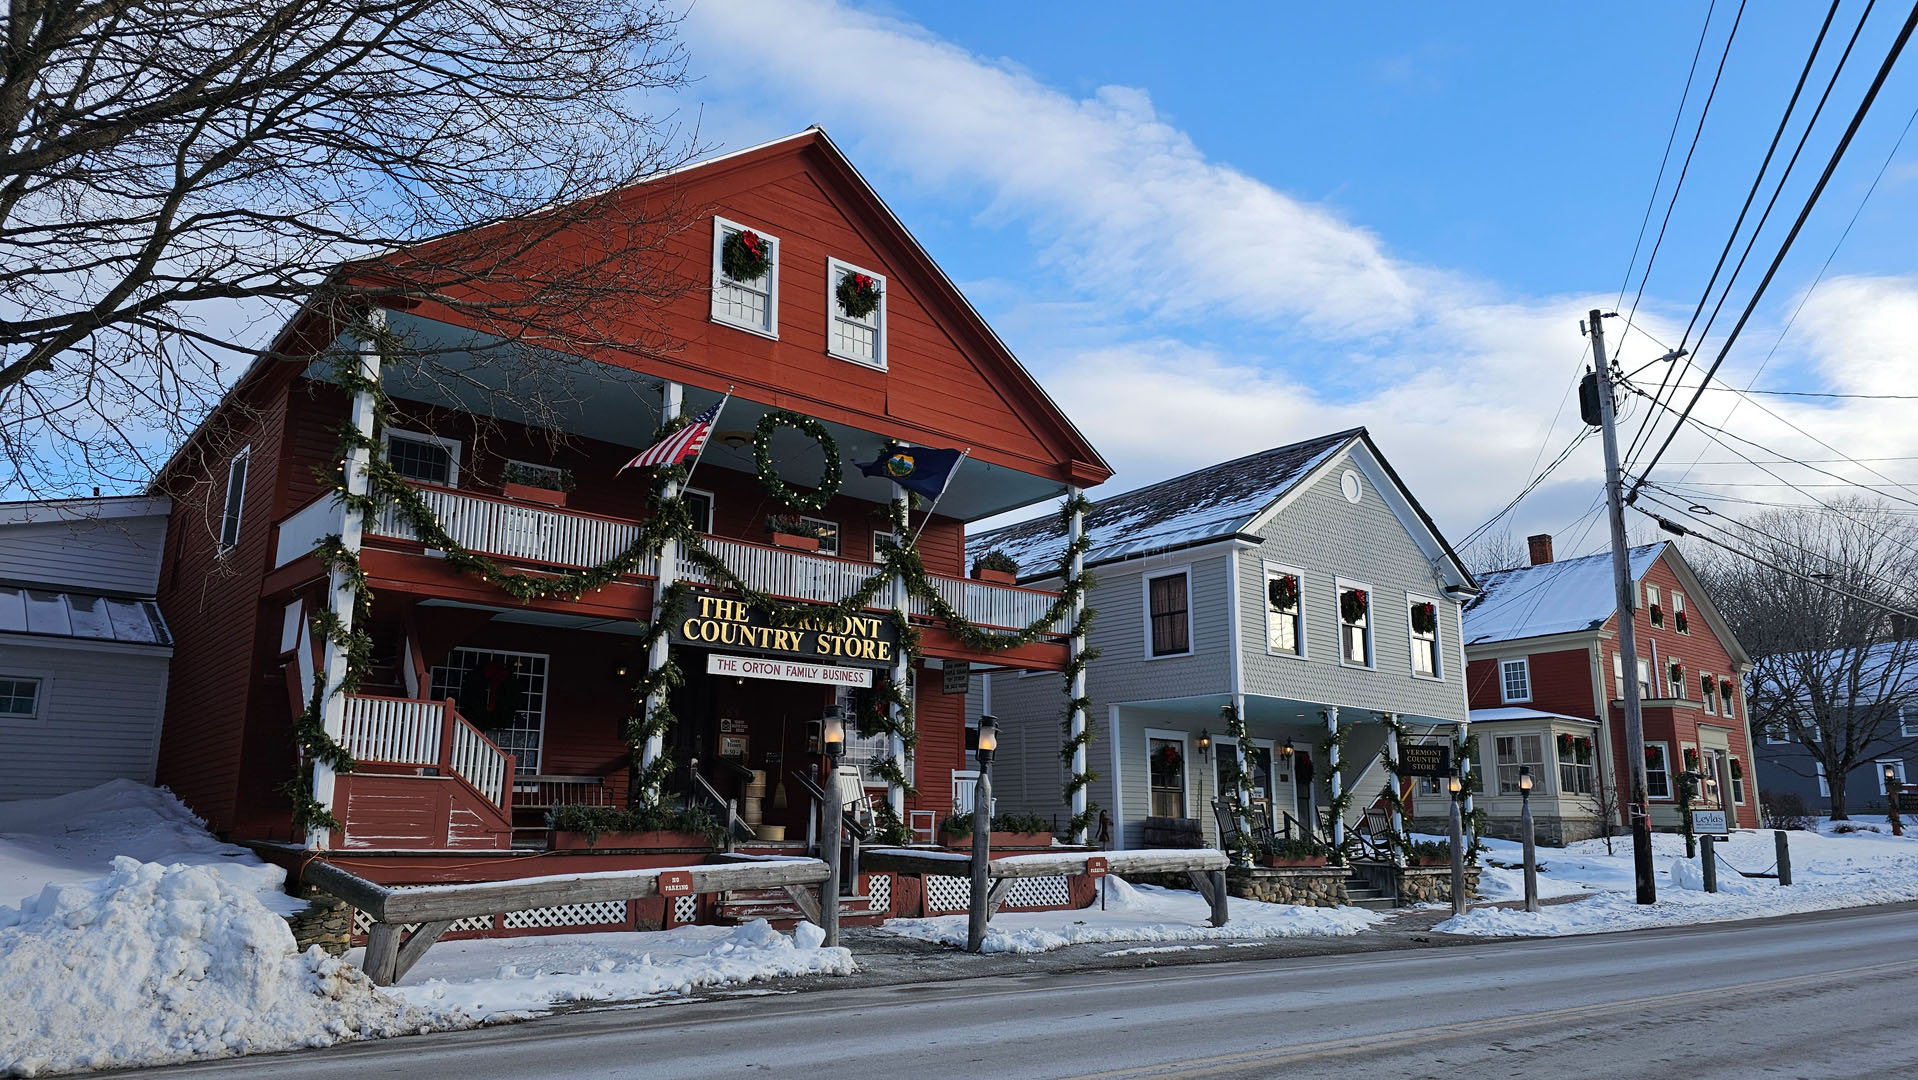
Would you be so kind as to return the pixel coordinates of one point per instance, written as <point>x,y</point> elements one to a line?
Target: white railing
<point>997,606</point>
<point>394,731</point>
<point>517,531</point>
<point>403,731</point>
<point>309,525</point>
<point>794,575</point>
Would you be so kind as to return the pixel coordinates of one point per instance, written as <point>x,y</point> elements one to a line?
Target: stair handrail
<point>736,829</point>
<point>502,796</point>
<point>854,827</point>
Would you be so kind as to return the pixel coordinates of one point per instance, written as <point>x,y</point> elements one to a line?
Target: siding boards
<point>113,555</point>
<point>99,719</point>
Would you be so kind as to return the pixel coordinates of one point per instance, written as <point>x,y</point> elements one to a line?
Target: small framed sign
<point>674,883</point>
<point>1425,759</point>
<point>1096,866</point>
<point>954,676</point>
<point>1709,821</point>
<point>1908,800</point>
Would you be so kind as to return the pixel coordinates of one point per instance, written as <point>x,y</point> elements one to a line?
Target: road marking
<point>1226,1063</point>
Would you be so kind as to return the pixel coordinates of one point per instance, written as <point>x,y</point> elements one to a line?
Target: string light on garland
<point>830,477</point>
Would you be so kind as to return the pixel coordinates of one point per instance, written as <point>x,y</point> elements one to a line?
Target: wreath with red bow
<point>858,295</point>
<point>1424,618</point>
<point>1283,592</point>
<point>1353,604</point>
<point>745,256</point>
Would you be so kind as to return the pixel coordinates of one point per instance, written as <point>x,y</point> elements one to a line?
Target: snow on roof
<point>1520,712</point>
<point>81,615</point>
<point>1552,598</point>
<point>1207,504</point>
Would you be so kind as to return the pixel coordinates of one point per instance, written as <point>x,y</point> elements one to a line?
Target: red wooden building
<point>479,711</point>
<point>1546,689</point>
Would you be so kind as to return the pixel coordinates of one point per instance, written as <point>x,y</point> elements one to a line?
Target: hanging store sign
<point>1709,821</point>
<point>1425,759</point>
<point>857,639</point>
<point>768,667</point>
<point>954,678</point>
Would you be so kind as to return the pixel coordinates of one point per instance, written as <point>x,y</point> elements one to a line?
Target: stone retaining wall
<point>1432,884</point>
<point>1310,886</point>
<point>326,922</point>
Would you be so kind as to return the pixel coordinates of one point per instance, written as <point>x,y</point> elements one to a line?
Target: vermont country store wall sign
<point>717,621</point>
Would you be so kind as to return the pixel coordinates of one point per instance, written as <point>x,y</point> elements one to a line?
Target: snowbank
<point>155,964</point>
<point>74,838</point>
<point>1828,871</point>
<point>510,978</point>
<point>1140,913</point>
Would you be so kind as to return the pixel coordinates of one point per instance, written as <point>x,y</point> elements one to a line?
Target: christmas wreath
<point>1565,744</point>
<point>829,479</point>
<point>1680,623</point>
<point>1677,673</point>
<point>1725,689</point>
<point>1652,757</point>
<point>1424,618</point>
<point>745,256</point>
<point>858,294</point>
<point>1691,759</point>
<point>1353,604</point>
<point>1738,770</point>
<point>1658,615</point>
<point>1169,756</point>
<point>1283,592</point>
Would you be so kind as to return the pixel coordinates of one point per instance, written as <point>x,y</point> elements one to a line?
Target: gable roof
<point>1563,597</point>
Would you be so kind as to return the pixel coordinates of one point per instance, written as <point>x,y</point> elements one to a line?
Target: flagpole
<point>950,473</point>
<point>709,441</point>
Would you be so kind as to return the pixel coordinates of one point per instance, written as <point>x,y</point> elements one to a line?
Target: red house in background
<point>481,711</point>
<point>1546,690</point>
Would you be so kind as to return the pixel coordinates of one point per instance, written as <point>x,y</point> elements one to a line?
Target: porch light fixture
<point>1891,775</point>
<point>620,671</point>
<point>1286,750</point>
<point>988,739</point>
<point>1205,745</point>
<point>832,733</point>
<point>1524,779</point>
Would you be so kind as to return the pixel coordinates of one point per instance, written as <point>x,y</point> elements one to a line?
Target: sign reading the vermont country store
<point>720,621</point>
<point>1425,759</point>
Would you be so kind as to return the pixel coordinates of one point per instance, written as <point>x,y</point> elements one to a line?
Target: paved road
<point>1834,994</point>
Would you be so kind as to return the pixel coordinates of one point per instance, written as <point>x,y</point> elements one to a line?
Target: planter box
<point>1277,861</point>
<point>998,840</point>
<point>997,577</point>
<point>621,841</point>
<point>797,543</point>
<point>1442,860</point>
<point>529,493</point>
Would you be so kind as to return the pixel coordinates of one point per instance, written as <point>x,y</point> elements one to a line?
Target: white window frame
<point>1438,638</point>
<point>1272,570</point>
<point>1651,601</point>
<point>1878,770</point>
<point>837,534</point>
<point>836,268</point>
<point>1185,772</point>
<point>1504,693</point>
<point>771,328</point>
<point>1678,608</point>
<point>1671,781</point>
<point>233,507</point>
<point>1676,686</point>
<point>1708,683</point>
<point>712,507</point>
<point>1908,721</point>
<point>1824,786</point>
<point>1618,678</point>
<point>1540,784</point>
<point>1146,579</point>
<point>1562,762</point>
<point>43,689</point>
<point>1219,744</point>
<point>882,534</point>
<point>540,746</point>
<point>451,446</point>
<point>1340,585</point>
<point>1738,782</point>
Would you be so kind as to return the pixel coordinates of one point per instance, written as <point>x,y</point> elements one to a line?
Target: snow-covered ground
<point>1829,870</point>
<point>1139,913</point>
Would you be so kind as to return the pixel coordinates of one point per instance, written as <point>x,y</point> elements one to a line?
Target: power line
<point>1818,394</point>
<point>1831,166</point>
<point>1676,529</point>
<point>1577,439</point>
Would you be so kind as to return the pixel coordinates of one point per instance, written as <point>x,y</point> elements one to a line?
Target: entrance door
<point>502,693</point>
<point>1258,763</point>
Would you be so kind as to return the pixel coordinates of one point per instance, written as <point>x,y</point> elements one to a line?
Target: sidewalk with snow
<point>1830,869</point>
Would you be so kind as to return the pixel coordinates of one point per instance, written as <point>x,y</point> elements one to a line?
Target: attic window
<point>859,338</point>
<point>745,278</point>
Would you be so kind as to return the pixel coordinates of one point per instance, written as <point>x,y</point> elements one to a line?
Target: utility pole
<point>1637,810</point>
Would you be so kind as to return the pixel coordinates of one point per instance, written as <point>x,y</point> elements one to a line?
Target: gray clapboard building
<point>83,647</point>
<point>1303,583</point>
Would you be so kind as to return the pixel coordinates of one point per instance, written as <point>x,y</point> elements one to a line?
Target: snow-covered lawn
<point>1829,870</point>
<point>1140,913</point>
<point>141,940</point>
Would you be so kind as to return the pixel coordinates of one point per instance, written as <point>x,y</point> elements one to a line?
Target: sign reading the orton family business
<point>720,621</point>
<point>1425,759</point>
<point>772,667</point>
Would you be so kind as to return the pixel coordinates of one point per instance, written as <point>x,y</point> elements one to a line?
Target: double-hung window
<point>1618,678</point>
<point>1423,616</point>
<point>883,542</point>
<point>745,277</point>
<point>699,507</point>
<point>1284,612</point>
<point>19,697</point>
<point>427,459</point>
<point>1355,625</point>
<point>1517,752</point>
<point>1515,680</point>
<point>1166,768</point>
<point>1576,767</point>
<point>827,532</point>
<point>860,338</point>
<point>1168,614</point>
<point>1908,721</point>
<point>1708,692</point>
<point>1658,777</point>
<point>235,506</point>
<point>1653,607</point>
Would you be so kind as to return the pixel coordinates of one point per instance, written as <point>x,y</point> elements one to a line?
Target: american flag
<point>682,444</point>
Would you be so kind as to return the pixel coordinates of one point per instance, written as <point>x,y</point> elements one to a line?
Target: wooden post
<point>1458,857</point>
<point>1219,913</point>
<point>901,672</point>
<point>672,402</point>
<point>339,587</point>
<point>1531,851</point>
<point>1076,647</point>
<point>382,953</point>
<point>830,813</point>
<point>978,905</point>
<point>1708,860</point>
<point>1781,844</point>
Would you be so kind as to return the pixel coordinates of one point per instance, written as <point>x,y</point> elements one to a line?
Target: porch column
<point>1076,689</point>
<point>1338,782</point>
<point>1392,734</point>
<point>671,404</point>
<point>901,667</point>
<point>339,586</point>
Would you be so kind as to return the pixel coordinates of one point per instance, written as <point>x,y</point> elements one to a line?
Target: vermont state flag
<point>916,468</point>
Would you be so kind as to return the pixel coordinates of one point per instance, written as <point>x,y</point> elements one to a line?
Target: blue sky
<point>1221,230</point>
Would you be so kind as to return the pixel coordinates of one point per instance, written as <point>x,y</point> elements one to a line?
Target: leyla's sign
<point>719,622</point>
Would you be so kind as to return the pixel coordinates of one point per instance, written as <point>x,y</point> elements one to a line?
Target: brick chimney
<point>1541,547</point>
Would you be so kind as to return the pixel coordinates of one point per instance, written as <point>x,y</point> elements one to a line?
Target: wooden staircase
<point>774,906</point>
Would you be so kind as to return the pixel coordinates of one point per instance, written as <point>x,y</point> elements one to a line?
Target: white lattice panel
<point>1039,892</point>
<point>947,893</point>
<point>362,923</point>
<point>594,914</point>
<point>685,909</point>
<point>878,892</point>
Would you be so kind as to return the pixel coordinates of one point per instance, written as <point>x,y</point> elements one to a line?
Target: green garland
<point>1081,705</point>
<point>1239,786</point>
<point>830,479</point>
<point>1342,801</point>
